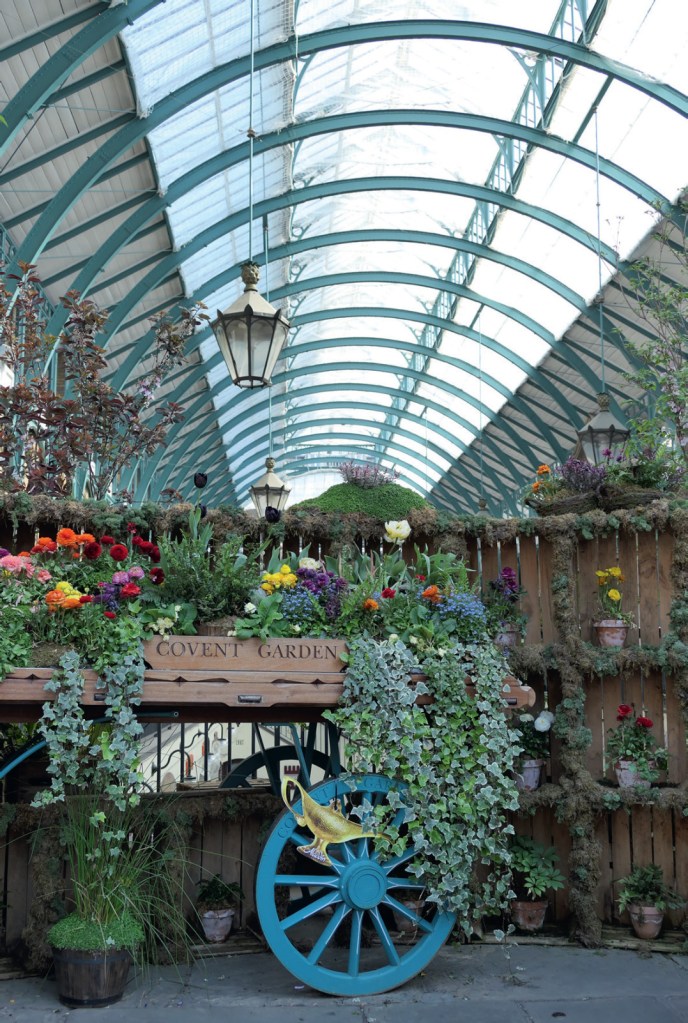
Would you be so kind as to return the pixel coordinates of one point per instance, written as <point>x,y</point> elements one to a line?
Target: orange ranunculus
<point>71,601</point>
<point>66,538</point>
<point>535,487</point>
<point>45,543</point>
<point>432,594</point>
<point>82,538</point>
<point>24,554</point>
<point>543,470</point>
<point>54,599</point>
<point>370,604</point>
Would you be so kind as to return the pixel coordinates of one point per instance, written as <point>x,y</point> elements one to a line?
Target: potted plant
<point>534,872</point>
<point>645,895</point>
<point>506,621</point>
<point>216,905</point>
<point>633,749</point>
<point>611,624</point>
<point>532,735</point>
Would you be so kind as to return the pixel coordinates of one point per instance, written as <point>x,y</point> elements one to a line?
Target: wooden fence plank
<point>638,591</point>
<point>620,858</point>
<point>530,601</point>
<point>663,856</point>
<point>594,701</point>
<point>604,888</point>
<point>676,735</point>
<point>549,632</point>
<point>649,596</point>
<point>665,554</point>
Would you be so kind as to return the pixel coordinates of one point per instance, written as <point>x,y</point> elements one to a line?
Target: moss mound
<point>389,501</point>
<point>91,936</point>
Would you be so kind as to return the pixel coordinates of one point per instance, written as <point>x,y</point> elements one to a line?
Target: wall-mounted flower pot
<point>528,774</point>
<point>507,636</point>
<point>611,632</point>
<point>628,777</point>
<point>528,915</point>
<point>647,920</point>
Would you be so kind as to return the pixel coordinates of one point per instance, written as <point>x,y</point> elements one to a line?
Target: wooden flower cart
<point>340,917</point>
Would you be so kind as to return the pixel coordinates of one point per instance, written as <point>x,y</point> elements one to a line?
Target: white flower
<point>441,652</point>
<point>547,714</point>
<point>231,632</point>
<point>413,640</point>
<point>542,723</point>
<point>309,563</point>
<point>249,608</point>
<point>393,638</point>
<point>397,532</point>
<point>296,629</point>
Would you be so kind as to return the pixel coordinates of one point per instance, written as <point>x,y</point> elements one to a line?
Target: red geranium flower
<point>155,554</point>
<point>388,592</point>
<point>85,598</point>
<point>624,711</point>
<point>144,546</point>
<point>93,550</point>
<point>644,722</point>
<point>118,552</point>
<point>132,527</point>
<point>130,590</point>
<point>138,541</point>
<point>107,540</point>
<point>157,576</point>
<point>421,578</point>
<point>109,614</point>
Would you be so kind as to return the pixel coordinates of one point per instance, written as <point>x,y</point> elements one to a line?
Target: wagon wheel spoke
<point>409,914</point>
<point>328,933</point>
<point>384,937</point>
<point>310,910</point>
<point>305,880</point>
<point>355,942</point>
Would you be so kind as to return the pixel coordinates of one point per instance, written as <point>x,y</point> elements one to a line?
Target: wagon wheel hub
<point>364,885</point>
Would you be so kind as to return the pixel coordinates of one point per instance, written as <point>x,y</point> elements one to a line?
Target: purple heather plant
<point>581,476</point>
<point>368,475</point>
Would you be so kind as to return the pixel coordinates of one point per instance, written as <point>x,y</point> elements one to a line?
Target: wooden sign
<point>221,653</point>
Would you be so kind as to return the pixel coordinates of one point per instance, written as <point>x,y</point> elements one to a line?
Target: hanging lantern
<point>602,434</point>
<point>250,334</point>
<point>269,494</point>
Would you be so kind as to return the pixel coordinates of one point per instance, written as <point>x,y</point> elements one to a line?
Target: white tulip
<point>397,532</point>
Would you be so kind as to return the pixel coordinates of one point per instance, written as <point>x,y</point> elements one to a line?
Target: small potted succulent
<point>645,895</point>
<point>534,872</point>
<point>633,749</point>
<point>216,904</point>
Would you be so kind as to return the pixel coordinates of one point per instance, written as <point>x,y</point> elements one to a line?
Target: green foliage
<point>15,640</point>
<point>645,886</point>
<point>632,740</point>
<point>74,931</point>
<point>534,868</point>
<point>455,755</point>
<point>216,893</point>
<point>217,582</point>
<point>389,501</point>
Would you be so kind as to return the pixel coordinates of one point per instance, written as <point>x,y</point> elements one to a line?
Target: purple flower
<point>135,572</point>
<point>3,552</point>
<point>120,578</point>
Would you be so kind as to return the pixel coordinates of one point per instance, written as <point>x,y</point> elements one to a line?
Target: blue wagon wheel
<point>364,927</point>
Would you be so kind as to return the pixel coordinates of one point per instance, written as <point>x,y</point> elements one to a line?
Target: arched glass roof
<point>438,194</point>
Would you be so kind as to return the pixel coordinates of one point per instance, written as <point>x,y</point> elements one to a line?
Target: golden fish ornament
<point>326,824</point>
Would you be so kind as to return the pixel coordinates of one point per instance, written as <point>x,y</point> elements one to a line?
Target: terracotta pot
<point>628,777</point>
<point>611,632</point>
<point>528,915</point>
<point>528,774</point>
<point>647,920</point>
<point>507,636</point>
<point>217,923</point>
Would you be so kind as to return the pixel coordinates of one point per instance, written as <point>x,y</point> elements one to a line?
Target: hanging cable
<point>480,411</point>
<point>599,253</point>
<point>251,136</point>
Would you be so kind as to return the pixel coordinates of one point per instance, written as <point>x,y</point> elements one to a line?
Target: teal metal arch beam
<point>353,237</point>
<point>230,157</point>
<point>330,39</point>
<point>57,28</point>
<point>170,263</point>
<point>38,90</point>
<point>442,385</point>
<point>321,389</point>
<point>420,376</point>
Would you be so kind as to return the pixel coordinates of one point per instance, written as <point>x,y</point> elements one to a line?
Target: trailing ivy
<point>455,756</point>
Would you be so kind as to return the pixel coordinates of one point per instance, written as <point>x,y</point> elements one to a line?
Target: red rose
<point>157,576</point>
<point>644,722</point>
<point>130,590</point>
<point>155,554</point>
<point>388,592</point>
<point>624,711</point>
<point>118,552</point>
<point>109,614</point>
<point>107,540</point>
<point>85,598</point>
<point>92,550</point>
